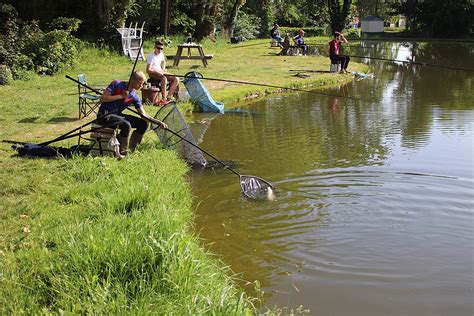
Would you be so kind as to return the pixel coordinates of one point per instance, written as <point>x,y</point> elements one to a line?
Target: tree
<point>233,16</point>
<point>437,17</point>
<point>113,12</point>
<point>372,7</point>
<point>337,14</point>
<point>207,14</point>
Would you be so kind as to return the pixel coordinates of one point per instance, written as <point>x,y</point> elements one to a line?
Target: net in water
<point>256,188</point>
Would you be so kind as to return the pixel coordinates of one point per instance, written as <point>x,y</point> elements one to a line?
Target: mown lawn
<point>105,236</point>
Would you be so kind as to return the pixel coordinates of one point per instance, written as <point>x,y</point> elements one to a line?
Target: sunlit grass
<point>107,236</point>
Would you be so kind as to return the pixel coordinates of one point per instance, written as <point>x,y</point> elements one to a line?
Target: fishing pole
<point>249,185</point>
<point>413,62</point>
<point>273,86</point>
<point>248,45</point>
<point>135,64</point>
<point>401,61</point>
<point>363,47</point>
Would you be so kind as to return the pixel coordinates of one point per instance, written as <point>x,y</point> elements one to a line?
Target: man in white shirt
<point>156,69</point>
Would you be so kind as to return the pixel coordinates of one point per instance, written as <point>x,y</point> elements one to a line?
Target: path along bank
<point>101,235</point>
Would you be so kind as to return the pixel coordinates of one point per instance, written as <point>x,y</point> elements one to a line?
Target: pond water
<point>374,207</point>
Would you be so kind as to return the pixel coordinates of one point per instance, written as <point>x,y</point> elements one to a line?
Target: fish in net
<point>256,188</point>
<point>171,115</point>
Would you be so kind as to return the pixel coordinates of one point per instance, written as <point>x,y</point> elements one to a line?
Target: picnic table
<point>189,46</point>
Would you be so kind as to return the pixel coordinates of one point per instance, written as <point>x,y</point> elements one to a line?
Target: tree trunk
<point>164,17</point>
<point>337,14</point>
<point>233,16</point>
<point>113,11</point>
<point>410,14</point>
<point>205,21</point>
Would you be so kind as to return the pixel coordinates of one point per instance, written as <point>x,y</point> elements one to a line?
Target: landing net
<point>171,115</point>
<point>256,188</point>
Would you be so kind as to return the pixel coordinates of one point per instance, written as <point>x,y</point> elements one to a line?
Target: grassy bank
<point>105,236</point>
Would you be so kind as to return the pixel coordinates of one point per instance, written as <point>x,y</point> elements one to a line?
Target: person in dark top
<point>275,34</point>
<point>299,41</point>
<point>335,51</point>
<point>116,98</point>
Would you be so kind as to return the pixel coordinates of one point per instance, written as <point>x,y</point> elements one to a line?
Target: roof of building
<point>372,18</point>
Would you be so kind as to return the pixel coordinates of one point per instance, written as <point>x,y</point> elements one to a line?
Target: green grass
<point>97,235</point>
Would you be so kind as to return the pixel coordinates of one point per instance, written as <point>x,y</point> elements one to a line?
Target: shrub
<point>25,47</point>
<point>247,25</point>
<point>352,33</point>
<point>308,31</point>
<point>5,75</point>
<point>53,51</point>
<point>67,24</point>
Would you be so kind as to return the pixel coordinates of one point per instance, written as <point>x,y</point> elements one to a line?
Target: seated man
<point>275,34</point>
<point>117,97</point>
<point>299,42</point>
<point>156,69</point>
<point>334,51</point>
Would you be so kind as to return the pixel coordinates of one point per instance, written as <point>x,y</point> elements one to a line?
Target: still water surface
<point>374,209</point>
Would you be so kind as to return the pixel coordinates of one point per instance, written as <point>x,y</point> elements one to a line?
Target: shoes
<point>161,102</point>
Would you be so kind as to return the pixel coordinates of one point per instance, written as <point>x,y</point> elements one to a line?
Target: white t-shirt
<point>155,61</point>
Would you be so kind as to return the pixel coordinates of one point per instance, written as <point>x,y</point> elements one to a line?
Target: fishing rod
<point>362,47</point>
<point>251,186</point>
<point>99,93</point>
<point>135,64</point>
<point>417,63</point>
<point>248,45</point>
<point>273,86</point>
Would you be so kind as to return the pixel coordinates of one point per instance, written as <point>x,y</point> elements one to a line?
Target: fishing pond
<point>374,202</point>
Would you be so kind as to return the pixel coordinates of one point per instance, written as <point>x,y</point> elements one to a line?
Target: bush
<point>53,51</point>
<point>247,25</point>
<point>5,75</point>
<point>67,24</point>
<point>308,31</point>
<point>352,33</point>
<point>25,47</point>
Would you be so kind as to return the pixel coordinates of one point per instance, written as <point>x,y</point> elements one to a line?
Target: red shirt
<point>334,47</point>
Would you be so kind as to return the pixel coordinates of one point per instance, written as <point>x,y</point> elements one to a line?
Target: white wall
<point>371,26</point>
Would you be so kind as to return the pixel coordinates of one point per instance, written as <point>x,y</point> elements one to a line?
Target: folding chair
<point>88,103</point>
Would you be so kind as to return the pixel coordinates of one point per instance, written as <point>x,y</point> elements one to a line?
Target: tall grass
<point>108,236</point>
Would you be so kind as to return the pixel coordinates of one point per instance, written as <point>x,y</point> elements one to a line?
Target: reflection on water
<point>374,207</point>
